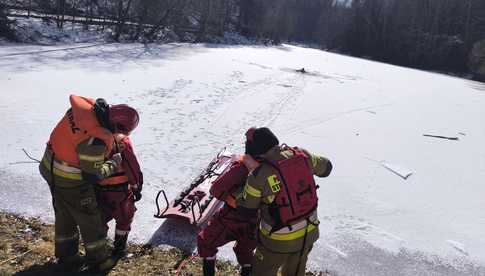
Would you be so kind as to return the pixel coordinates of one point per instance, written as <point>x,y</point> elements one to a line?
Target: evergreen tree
<point>5,24</point>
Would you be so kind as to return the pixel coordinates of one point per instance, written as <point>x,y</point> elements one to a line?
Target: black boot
<point>101,268</point>
<point>209,267</point>
<point>120,245</point>
<point>246,270</point>
<point>70,264</point>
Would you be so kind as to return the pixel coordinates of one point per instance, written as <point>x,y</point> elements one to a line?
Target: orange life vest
<point>249,162</point>
<point>130,171</point>
<point>117,179</point>
<point>79,123</point>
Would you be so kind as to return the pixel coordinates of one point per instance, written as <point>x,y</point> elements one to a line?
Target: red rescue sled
<point>195,204</point>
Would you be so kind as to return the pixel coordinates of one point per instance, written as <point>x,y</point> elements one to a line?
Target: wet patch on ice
<point>175,233</point>
<point>313,73</point>
<point>360,228</point>
<point>353,246</point>
<point>363,258</point>
<point>32,202</point>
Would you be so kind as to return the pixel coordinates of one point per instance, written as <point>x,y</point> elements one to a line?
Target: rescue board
<point>195,204</point>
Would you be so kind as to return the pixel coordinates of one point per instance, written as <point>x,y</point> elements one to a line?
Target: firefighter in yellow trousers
<point>75,159</point>
<point>282,188</point>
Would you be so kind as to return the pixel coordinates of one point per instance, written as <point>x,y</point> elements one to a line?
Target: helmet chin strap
<point>101,109</point>
<point>116,130</point>
<point>117,146</point>
<point>113,133</point>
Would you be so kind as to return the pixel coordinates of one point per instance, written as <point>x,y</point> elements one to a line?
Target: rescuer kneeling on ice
<point>284,191</point>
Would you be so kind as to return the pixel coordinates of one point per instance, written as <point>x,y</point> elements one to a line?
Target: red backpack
<point>297,196</point>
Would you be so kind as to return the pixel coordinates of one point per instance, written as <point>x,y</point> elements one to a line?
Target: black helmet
<point>260,140</point>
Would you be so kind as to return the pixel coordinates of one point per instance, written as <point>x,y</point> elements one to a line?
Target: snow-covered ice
<point>196,99</point>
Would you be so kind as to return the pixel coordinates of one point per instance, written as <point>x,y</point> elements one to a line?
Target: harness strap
<point>114,180</point>
<point>51,185</point>
<point>293,227</point>
<point>52,168</point>
<point>272,164</point>
<point>302,247</point>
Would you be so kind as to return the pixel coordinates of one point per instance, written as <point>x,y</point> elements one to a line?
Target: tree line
<point>427,34</point>
<point>145,20</point>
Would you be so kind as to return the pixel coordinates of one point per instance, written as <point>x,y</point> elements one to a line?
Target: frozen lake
<point>369,118</point>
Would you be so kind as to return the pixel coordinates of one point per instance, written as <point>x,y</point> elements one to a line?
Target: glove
<point>137,195</point>
<point>231,201</point>
<point>140,181</point>
<point>117,159</point>
<point>137,189</point>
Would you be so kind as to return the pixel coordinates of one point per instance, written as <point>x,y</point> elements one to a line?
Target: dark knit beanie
<point>262,141</point>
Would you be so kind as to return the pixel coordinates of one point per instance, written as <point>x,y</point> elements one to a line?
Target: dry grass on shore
<point>27,248</point>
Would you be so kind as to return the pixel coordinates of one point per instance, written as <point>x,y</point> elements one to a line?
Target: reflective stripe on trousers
<point>95,245</point>
<point>60,238</point>
<point>63,170</point>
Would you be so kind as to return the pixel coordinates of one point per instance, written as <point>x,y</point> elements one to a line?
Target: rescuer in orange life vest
<point>118,193</point>
<point>228,224</point>
<point>282,188</point>
<point>76,158</point>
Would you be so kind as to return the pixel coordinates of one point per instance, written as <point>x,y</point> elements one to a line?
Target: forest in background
<point>439,35</point>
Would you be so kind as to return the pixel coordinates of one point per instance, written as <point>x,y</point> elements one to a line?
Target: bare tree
<point>123,10</point>
<point>5,28</point>
<point>61,9</point>
<point>169,9</point>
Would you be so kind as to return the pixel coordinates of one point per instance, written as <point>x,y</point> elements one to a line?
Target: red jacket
<point>233,179</point>
<point>130,171</point>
